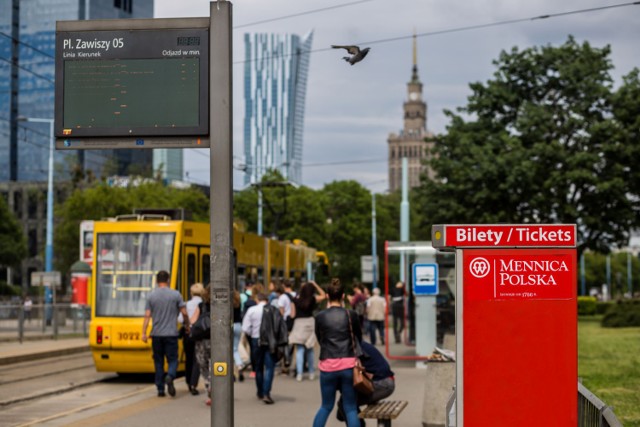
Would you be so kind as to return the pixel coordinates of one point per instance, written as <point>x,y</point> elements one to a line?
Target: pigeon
<point>357,54</point>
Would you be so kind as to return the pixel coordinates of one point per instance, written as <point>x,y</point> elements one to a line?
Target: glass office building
<point>275,86</point>
<point>36,90</point>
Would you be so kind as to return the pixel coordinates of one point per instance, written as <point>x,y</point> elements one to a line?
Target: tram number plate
<point>123,336</point>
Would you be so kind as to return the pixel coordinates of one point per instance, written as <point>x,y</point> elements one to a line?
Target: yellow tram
<point>129,250</point>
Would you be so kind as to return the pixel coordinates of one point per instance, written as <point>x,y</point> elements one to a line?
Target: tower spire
<point>414,74</point>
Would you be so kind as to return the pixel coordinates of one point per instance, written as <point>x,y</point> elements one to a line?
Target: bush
<point>602,307</point>
<point>587,306</point>
<point>10,290</point>
<point>623,314</point>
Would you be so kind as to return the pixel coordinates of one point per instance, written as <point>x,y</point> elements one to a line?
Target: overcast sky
<point>350,110</point>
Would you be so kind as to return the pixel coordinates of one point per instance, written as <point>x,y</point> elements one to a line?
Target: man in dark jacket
<point>383,381</point>
<point>263,324</point>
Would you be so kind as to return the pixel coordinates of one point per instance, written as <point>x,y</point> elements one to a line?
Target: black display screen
<point>188,41</point>
<point>121,83</point>
<point>126,93</point>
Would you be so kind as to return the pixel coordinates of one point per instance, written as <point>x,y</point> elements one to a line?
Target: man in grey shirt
<point>163,306</point>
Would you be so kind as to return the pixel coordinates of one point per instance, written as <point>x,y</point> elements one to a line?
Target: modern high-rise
<point>410,143</point>
<point>37,25</point>
<point>275,86</point>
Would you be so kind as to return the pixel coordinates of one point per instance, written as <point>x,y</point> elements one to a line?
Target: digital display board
<point>131,83</point>
<point>122,93</point>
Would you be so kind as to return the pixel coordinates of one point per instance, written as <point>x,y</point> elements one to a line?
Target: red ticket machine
<point>516,323</point>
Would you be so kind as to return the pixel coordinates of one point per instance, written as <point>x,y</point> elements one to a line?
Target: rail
<point>43,321</point>
<point>592,412</point>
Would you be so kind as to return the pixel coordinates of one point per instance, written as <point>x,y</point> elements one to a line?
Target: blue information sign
<point>425,279</point>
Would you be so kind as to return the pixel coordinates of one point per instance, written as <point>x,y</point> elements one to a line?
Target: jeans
<point>191,369</point>
<point>376,325</point>
<point>301,350</point>
<point>264,368</point>
<point>397,309</point>
<point>237,332</point>
<point>164,347</point>
<point>330,383</point>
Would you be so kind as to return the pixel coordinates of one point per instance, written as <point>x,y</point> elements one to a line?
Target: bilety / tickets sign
<point>504,236</point>
<point>506,274</point>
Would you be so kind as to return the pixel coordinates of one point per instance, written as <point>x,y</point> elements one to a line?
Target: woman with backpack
<point>203,344</point>
<point>303,332</point>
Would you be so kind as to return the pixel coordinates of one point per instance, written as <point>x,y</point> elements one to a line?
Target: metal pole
<point>21,322</point>
<point>220,125</point>
<point>608,271</point>
<point>55,313</point>
<point>48,254</point>
<point>583,285</point>
<point>404,215</point>
<point>629,282</point>
<point>259,210</point>
<point>374,252</point>
<point>14,87</point>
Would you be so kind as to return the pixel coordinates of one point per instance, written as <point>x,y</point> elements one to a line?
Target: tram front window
<point>126,267</point>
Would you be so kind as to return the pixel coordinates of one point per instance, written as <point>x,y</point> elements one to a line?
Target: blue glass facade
<point>36,92</point>
<point>275,86</point>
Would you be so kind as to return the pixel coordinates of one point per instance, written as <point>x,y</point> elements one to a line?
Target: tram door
<point>191,270</point>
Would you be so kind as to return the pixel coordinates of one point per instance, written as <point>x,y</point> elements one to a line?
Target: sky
<point>351,110</point>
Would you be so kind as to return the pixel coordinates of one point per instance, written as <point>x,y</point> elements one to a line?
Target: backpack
<point>201,329</point>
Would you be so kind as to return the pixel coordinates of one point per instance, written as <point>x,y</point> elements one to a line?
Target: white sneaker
<point>298,377</point>
<point>312,377</point>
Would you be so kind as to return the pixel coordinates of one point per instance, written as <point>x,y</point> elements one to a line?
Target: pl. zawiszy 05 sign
<point>131,87</point>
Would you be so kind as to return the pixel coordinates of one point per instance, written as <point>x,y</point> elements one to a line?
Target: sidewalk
<point>296,404</point>
<point>14,352</point>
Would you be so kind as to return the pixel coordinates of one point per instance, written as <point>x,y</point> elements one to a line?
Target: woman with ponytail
<point>339,334</point>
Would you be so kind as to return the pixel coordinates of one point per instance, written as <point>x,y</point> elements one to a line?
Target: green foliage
<point>586,306</point>
<point>602,306</point>
<point>335,219</point>
<point>623,314</point>
<point>547,140</point>
<point>13,245</point>
<point>10,290</point>
<point>101,201</point>
<point>609,365</point>
<point>596,271</point>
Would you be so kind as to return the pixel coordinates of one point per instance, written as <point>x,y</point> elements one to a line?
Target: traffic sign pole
<point>221,202</point>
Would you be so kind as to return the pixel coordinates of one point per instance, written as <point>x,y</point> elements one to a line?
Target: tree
<point>13,246</point>
<point>101,201</point>
<point>547,140</point>
<point>347,207</point>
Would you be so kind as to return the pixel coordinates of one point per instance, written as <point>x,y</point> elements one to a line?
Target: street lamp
<point>48,254</point>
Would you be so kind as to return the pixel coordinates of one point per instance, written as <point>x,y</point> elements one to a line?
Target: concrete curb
<point>49,392</point>
<point>26,357</point>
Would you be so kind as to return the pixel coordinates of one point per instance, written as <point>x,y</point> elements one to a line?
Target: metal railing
<point>43,321</point>
<point>592,412</point>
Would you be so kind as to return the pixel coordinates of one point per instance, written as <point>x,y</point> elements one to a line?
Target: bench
<point>384,411</point>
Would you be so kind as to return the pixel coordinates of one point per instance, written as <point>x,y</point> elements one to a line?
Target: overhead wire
<point>27,70</point>
<point>459,29</point>
<point>42,52</point>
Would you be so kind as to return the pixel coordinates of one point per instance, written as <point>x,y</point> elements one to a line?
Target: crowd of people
<point>277,326</point>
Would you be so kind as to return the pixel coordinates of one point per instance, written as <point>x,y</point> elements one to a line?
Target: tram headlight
<point>99,334</point>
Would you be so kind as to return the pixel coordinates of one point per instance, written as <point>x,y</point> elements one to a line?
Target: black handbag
<point>201,329</point>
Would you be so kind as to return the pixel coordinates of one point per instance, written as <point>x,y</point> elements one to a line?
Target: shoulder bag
<point>361,378</point>
<point>201,329</point>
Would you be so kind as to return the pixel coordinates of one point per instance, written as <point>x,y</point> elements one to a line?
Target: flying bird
<point>357,54</point>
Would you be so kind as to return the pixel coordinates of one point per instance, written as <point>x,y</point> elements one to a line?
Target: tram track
<point>21,382</point>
